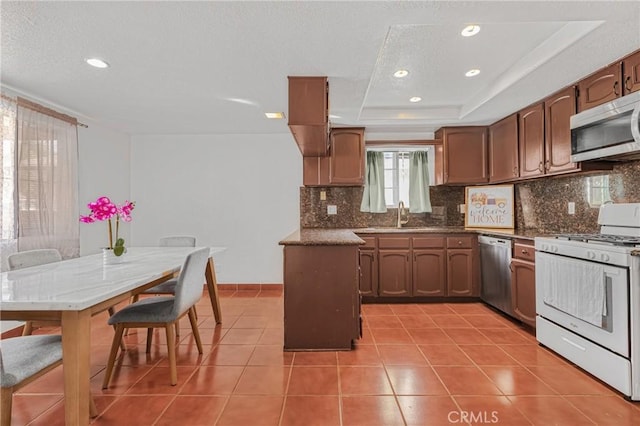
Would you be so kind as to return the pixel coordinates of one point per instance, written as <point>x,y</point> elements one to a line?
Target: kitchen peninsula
<point>321,297</point>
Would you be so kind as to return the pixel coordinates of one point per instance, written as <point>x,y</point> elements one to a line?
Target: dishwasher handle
<point>482,239</point>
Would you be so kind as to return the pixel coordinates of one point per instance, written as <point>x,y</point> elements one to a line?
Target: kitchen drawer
<point>428,242</point>
<point>369,242</point>
<point>460,242</point>
<point>524,252</point>
<point>393,242</point>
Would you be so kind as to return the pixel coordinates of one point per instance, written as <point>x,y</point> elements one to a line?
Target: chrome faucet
<point>401,211</point>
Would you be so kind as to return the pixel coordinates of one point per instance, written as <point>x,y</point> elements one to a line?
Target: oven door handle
<point>574,344</point>
<point>635,123</point>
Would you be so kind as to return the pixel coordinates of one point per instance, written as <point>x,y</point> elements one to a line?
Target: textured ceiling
<point>216,67</point>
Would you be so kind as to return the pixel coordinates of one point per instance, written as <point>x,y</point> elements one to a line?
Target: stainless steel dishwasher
<point>495,261</point>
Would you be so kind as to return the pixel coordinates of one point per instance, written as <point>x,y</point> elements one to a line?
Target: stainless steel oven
<point>588,297</point>
<point>607,131</point>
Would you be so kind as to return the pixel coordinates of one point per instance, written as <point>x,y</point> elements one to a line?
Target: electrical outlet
<point>331,209</point>
<point>462,208</point>
<point>571,207</point>
<point>323,195</point>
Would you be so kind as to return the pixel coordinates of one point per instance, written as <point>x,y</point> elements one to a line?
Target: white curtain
<point>419,199</point>
<point>8,241</point>
<point>373,200</point>
<point>47,183</point>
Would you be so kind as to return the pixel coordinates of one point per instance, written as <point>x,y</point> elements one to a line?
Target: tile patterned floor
<point>429,364</point>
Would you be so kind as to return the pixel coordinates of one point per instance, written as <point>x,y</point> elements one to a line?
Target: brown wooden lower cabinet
<point>368,272</point>
<point>523,283</point>
<point>419,266</point>
<point>429,272</point>
<point>460,270</point>
<point>394,274</point>
<point>321,297</point>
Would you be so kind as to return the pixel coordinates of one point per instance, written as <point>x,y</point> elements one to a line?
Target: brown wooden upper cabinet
<point>558,109</point>
<point>600,87</point>
<point>503,149</point>
<point>631,73</point>
<point>345,164</point>
<point>309,114</point>
<point>347,159</point>
<point>464,156</point>
<point>609,83</point>
<point>531,133</point>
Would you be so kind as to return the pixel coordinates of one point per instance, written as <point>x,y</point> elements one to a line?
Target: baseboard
<point>250,287</point>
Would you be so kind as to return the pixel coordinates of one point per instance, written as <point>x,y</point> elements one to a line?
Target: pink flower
<point>103,209</point>
<point>87,219</point>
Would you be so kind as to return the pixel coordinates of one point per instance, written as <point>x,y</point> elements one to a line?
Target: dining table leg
<point>76,342</point>
<point>212,286</point>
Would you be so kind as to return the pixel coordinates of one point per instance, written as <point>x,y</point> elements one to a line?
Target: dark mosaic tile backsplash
<point>541,204</point>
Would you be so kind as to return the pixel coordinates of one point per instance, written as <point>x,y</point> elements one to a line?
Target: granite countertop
<point>322,237</point>
<point>339,237</point>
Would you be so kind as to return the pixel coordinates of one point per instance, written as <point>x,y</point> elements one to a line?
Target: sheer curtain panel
<point>8,241</point>
<point>47,180</point>
<point>419,199</point>
<point>373,200</point>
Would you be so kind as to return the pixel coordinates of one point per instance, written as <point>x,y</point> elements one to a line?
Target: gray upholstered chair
<point>24,359</point>
<point>26,259</point>
<point>168,287</point>
<point>164,312</point>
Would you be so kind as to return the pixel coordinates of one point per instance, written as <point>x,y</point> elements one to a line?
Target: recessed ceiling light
<point>470,30</point>
<point>415,99</point>
<point>472,73</point>
<point>98,63</point>
<point>274,114</point>
<point>401,73</point>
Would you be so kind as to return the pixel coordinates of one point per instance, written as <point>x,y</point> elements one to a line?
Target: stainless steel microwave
<point>610,131</point>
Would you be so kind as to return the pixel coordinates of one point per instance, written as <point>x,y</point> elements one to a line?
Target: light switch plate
<point>571,207</point>
<point>331,209</point>
<point>323,195</point>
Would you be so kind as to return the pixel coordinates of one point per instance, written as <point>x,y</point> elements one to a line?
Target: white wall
<point>236,191</point>
<point>104,168</point>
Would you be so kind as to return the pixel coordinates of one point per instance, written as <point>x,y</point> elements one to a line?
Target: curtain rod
<point>48,111</point>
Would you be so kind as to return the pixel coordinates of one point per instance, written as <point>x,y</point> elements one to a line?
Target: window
<point>598,190</point>
<point>396,178</point>
<point>396,173</point>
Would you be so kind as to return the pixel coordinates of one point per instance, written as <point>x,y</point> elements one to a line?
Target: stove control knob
<point>545,247</point>
<point>604,257</point>
<point>554,249</point>
<point>590,254</point>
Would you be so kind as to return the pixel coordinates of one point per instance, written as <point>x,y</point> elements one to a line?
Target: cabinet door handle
<point>547,165</point>
<point>627,83</point>
<point>540,167</point>
<point>459,242</point>
<point>616,91</point>
<point>515,170</point>
<point>525,252</point>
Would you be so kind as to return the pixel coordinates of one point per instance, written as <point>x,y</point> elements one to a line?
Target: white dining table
<point>73,290</point>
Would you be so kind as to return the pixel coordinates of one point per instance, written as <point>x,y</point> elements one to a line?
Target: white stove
<point>588,297</point>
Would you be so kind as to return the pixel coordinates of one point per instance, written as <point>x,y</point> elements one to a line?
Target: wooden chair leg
<point>177,327</point>
<point>194,328</point>
<point>171,347</point>
<point>27,329</point>
<point>6,394</point>
<point>112,311</point>
<point>149,339</point>
<point>117,338</point>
